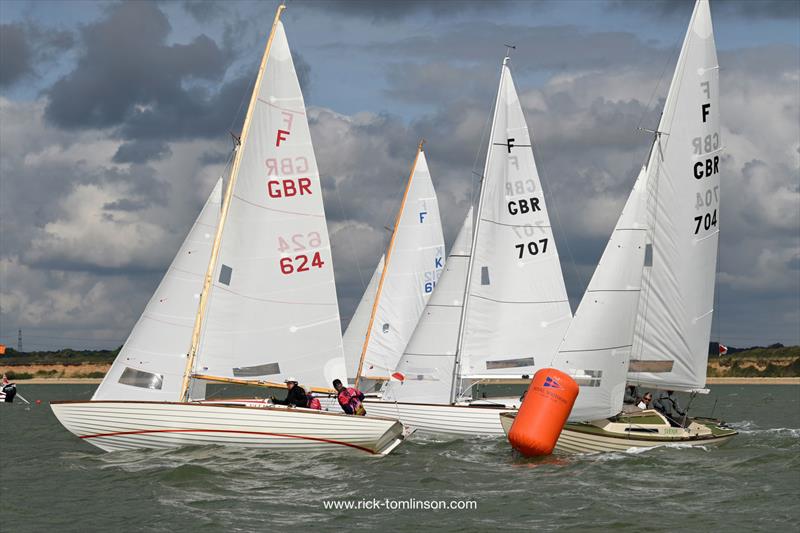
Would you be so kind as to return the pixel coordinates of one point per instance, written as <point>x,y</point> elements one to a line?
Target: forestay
<point>428,361</point>
<point>272,309</point>
<point>597,345</point>
<point>353,338</point>
<point>676,309</point>
<point>150,364</point>
<point>414,261</point>
<point>517,310</point>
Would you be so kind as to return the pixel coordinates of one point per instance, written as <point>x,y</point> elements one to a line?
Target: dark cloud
<point>388,10</point>
<point>774,9</point>
<point>141,151</point>
<point>128,75</point>
<point>23,46</point>
<point>203,10</point>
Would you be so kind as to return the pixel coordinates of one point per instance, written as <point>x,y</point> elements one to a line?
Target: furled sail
<point>516,309</point>
<point>674,321</point>
<point>414,260</point>
<point>597,345</point>
<point>353,338</point>
<point>272,310</point>
<point>150,364</point>
<point>427,365</point>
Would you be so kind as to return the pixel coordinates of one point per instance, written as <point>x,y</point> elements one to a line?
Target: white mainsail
<point>516,310</point>
<point>150,364</point>
<point>353,338</point>
<point>597,345</point>
<point>428,361</point>
<point>414,261</point>
<point>676,309</point>
<point>272,310</point>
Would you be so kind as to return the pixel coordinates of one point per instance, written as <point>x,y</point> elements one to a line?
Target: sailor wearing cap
<point>295,394</point>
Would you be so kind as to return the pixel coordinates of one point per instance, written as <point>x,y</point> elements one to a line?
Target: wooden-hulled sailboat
<point>500,309</point>
<point>266,307</point>
<point>401,285</point>
<point>646,315</point>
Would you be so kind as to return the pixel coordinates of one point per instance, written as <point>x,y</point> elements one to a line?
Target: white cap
<point>290,379</point>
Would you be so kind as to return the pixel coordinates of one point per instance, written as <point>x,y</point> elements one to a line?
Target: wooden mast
<point>198,322</point>
<point>386,264</point>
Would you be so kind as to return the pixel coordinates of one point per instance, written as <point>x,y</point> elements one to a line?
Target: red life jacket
<point>313,403</point>
<point>349,398</point>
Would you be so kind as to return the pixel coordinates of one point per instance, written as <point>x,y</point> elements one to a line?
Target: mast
<point>198,323</point>
<point>476,227</point>
<point>386,265</point>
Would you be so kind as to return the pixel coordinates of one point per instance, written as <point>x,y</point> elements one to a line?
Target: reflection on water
<point>63,484</point>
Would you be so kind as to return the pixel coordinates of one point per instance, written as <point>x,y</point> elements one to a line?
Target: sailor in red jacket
<point>350,399</point>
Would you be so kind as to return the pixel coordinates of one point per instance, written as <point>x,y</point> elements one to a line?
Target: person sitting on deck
<point>313,403</point>
<point>631,395</point>
<point>350,399</point>
<point>646,402</point>
<point>295,395</point>
<point>667,404</point>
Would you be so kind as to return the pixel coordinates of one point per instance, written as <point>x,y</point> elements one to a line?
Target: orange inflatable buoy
<point>543,412</point>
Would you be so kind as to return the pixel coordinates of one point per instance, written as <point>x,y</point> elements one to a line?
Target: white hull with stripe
<point>439,419</point>
<point>121,425</point>
<point>610,435</point>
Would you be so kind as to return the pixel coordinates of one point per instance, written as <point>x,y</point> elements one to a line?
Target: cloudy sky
<point>114,120</point>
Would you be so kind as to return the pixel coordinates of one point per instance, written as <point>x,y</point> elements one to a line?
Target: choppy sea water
<point>52,481</point>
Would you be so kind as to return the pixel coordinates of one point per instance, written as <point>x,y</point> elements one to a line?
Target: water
<point>52,481</point>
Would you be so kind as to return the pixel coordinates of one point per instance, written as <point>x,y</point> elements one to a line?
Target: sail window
<point>509,363</point>
<point>655,366</point>
<point>587,378</point>
<point>225,274</point>
<point>385,328</point>
<point>140,378</point>
<point>648,255</point>
<point>484,275</point>
<point>258,370</point>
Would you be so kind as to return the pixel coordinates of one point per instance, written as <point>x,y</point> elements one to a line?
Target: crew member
<point>295,395</point>
<point>667,404</point>
<point>313,402</point>
<point>350,399</point>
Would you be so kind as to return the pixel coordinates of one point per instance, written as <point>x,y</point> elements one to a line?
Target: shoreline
<point>710,381</point>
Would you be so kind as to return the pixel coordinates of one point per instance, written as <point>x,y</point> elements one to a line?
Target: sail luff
<point>476,227</point>
<point>387,259</point>
<point>223,215</point>
<point>352,339</point>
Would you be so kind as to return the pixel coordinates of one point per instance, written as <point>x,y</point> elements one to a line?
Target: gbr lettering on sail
<point>705,150</point>
<point>285,180</point>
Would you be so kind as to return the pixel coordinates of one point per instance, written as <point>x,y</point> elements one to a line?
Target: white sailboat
<point>646,316</point>
<point>267,308</point>
<point>409,272</point>
<point>500,309</point>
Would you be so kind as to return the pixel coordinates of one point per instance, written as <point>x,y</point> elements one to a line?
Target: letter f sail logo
<point>550,382</point>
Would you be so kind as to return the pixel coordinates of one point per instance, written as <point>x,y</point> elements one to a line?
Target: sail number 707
<point>533,247</point>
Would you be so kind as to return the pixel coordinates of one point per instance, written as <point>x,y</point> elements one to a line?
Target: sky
<point>115,120</point>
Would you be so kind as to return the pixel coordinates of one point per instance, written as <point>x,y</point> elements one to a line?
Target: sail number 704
<point>533,247</point>
<point>706,222</point>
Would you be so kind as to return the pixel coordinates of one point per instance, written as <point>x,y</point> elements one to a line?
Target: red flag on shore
<point>2,349</point>
<point>723,349</point>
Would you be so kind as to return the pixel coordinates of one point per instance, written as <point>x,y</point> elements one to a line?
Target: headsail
<point>353,338</point>
<point>151,363</point>
<point>414,260</point>
<point>676,309</point>
<point>597,344</point>
<point>427,364</point>
<point>272,307</point>
<point>516,309</point>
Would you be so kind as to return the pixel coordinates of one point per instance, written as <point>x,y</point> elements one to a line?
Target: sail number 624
<point>301,263</point>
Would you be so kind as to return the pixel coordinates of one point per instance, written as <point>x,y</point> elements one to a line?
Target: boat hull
<point>439,419</point>
<point>122,425</point>
<point>611,435</point>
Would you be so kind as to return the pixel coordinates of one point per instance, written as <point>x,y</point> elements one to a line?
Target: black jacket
<point>297,397</point>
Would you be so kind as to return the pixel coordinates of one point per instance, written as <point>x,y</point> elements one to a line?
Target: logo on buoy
<point>550,382</point>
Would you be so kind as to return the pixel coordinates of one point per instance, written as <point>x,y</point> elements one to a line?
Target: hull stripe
<point>286,435</point>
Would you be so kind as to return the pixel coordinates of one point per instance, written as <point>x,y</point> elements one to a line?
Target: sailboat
<point>254,304</point>
<point>401,285</point>
<point>646,316</point>
<point>500,309</point>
